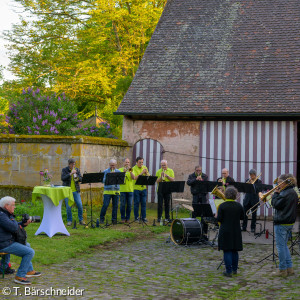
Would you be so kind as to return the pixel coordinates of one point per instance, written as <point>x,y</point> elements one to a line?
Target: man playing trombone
<point>164,174</point>
<point>284,201</point>
<point>250,200</point>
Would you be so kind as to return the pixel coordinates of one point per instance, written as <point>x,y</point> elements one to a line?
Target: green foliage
<point>102,131</point>
<point>90,49</point>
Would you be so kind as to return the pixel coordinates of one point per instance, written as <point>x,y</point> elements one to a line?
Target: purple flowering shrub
<point>102,131</point>
<point>35,114</point>
<point>42,115</point>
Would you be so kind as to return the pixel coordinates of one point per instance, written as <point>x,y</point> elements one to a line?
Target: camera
<point>26,217</point>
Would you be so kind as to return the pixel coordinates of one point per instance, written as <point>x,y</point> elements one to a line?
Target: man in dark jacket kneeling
<point>8,231</point>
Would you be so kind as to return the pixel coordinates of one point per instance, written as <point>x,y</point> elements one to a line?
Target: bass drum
<point>186,231</point>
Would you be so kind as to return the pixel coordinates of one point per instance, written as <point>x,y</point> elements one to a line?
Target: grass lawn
<point>83,241</point>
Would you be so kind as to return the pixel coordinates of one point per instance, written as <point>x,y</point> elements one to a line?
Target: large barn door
<point>152,152</point>
<point>269,147</point>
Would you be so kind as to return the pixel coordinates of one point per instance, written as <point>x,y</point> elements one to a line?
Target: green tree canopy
<point>89,49</point>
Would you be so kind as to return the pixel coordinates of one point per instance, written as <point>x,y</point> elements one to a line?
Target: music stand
<point>203,210</point>
<point>114,178</point>
<point>143,181</point>
<point>170,187</point>
<point>273,254</point>
<point>92,178</point>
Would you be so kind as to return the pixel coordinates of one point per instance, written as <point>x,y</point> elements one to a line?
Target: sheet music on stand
<point>115,178</point>
<point>92,177</point>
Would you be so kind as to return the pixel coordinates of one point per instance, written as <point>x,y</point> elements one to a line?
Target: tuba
<point>218,193</point>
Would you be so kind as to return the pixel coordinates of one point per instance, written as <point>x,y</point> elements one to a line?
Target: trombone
<point>250,181</point>
<point>263,197</point>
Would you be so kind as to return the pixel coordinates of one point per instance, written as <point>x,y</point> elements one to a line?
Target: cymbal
<point>182,200</point>
<point>187,207</point>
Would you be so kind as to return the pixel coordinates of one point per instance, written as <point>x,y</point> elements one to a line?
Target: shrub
<point>38,114</point>
<point>102,131</point>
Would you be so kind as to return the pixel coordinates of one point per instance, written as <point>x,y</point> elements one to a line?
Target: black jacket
<point>228,180</point>
<point>66,178</point>
<point>285,204</point>
<point>8,228</point>
<point>252,199</point>
<point>229,215</point>
<point>192,182</point>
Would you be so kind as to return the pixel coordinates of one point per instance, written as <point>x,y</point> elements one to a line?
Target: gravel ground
<point>156,269</point>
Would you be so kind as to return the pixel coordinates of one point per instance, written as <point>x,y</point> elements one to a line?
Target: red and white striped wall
<point>152,152</point>
<point>269,147</point>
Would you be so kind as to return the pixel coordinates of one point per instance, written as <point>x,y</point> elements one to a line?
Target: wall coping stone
<point>78,139</point>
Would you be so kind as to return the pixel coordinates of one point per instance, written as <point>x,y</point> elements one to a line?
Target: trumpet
<point>129,169</point>
<point>147,174</point>
<point>75,176</point>
<point>250,181</point>
<point>163,176</point>
<point>218,193</point>
<point>263,197</point>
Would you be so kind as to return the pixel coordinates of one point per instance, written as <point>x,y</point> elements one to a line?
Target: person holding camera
<point>13,240</point>
<point>70,176</point>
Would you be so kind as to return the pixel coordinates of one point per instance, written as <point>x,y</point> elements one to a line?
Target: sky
<point>8,16</point>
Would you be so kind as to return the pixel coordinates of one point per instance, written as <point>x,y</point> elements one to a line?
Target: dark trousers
<point>163,199</point>
<point>200,199</point>
<point>245,221</point>
<point>231,260</point>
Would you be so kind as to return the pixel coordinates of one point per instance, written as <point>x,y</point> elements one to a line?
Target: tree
<point>90,49</point>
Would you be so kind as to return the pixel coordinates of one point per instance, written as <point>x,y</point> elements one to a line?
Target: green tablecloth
<point>54,193</point>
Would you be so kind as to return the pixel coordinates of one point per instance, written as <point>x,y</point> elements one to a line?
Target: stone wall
<point>22,157</point>
<point>180,140</point>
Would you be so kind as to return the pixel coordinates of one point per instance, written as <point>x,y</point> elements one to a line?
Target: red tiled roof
<point>220,57</point>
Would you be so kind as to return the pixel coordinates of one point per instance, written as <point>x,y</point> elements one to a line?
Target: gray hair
<point>71,161</point>
<point>231,192</point>
<point>6,200</point>
<point>112,161</point>
<point>164,161</point>
<point>252,171</point>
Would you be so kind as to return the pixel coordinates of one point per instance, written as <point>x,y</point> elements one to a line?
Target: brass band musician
<point>284,201</point>
<point>164,174</point>
<point>250,200</point>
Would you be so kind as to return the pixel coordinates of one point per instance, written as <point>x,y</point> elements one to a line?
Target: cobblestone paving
<point>154,269</point>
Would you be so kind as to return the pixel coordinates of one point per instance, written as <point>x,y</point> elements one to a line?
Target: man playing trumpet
<point>70,176</point>
<point>140,191</point>
<point>126,191</point>
<point>284,201</point>
<point>164,174</point>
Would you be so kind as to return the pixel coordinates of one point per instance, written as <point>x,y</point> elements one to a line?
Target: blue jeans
<point>140,197</point>
<point>231,260</point>
<point>282,234</point>
<point>23,251</point>
<point>78,202</point>
<point>106,201</point>
<point>125,205</point>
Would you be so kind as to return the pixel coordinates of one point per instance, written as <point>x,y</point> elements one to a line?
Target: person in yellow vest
<point>164,174</point>
<point>139,191</point>
<point>126,192</point>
